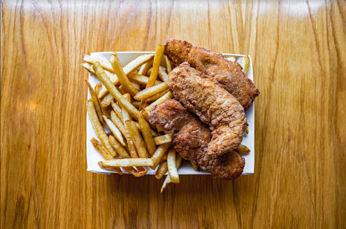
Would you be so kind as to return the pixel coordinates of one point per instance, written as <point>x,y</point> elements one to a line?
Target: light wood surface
<point>299,54</point>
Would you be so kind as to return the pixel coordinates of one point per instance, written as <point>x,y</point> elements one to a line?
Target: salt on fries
<point>119,103</point>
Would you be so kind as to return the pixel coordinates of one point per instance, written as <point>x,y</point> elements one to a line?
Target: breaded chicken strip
<point>212,104</point>
<point>228,74</point>
<point>192,138</point>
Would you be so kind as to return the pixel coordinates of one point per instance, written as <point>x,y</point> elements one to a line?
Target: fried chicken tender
<point>228,74</point>
<point>192,138</point>
<point>212,104</point>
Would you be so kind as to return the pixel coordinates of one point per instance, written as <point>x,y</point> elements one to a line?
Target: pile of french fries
<point>122,101</point>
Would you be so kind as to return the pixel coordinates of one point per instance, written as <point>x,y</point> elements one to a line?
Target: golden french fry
<point>105,111</point>
<point>156,96</point>
<point>159,128</point>
<point>145,114</point>
<point>136,104</point>
<point>103,90</point>
<point>169,65</point>
<point>127,162</point>
<point>122,90</point>
<point>163,139</point>
<point>149,71</point>
<point>137,139</point>
<point>102,149</point>
<point>141,79</point>
<point>106,101</point>
<point>126,115</point>
<point>168,178</point>
<point>135,173</point>
<point>113,91</point>
<point>98,88</point>
<point>116,120</point>
<point>172,169</point>
<point>96,102</point>
<point>160,151</point>
<point>116,132</point>
<point>119,71</point>
<point>147,135</point>
<point>136,85</point>
<point>245,63</point>
<point>145,67</point>
<point>231,58</point>
<point>164,158</point>
<point>163,168</point>
<point>117,110</point>
<point>137,62</point>
<point>153,132</point>
<point>103,63</point>
<point>150,91</point>
<point>242,150</point>
<point>99,128</point>
<point>118,147</point>
<point>162,74</point>
<point>161,100</point>
<point>157,62</point>
<point>195,167</point>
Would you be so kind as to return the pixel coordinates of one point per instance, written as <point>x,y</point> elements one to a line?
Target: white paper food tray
<point>93,156</point>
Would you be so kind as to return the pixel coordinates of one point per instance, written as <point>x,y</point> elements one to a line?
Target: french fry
<point>150,91</point>
<point>119,71</point>
<point>163,139</point>
<point>168,178</point>
<point>105,111</point>
<point>102,149</point>
<point>145,67</point>
<point>137,139</point>
<point>99,128</point>
<point>136,85</point>
<point>96,102</point>
<point>242,150</point>
<point>161,100</point>
<point>163,168</point>
<point>122,90</point>
<point>172,169</point>
<point>157,62</point>
<point>162,74</point>
<point>118,170</point>
<point>195,167</point>
<point>153,132</point>
<point>117,110</point>
<point>103,90</point>
<point>156,96</point>
<point>245,63</point>
<point>232,59</point>
<point>136,104</point>
<point>137,62</point>
<point>168,64</point>
<point>135,173</point>
<point>147,135</point>
<point>141,79</point>
<point>149,71</point>
<point>106,101</point>
<point>159,128</point>
<point>118,147</point>
<point>145,114</point>
<point>116,120</point>
<point>126,115</point>
<point>98,88</point>
<point>113,91</point>
<point>127,162</point>
<point>160,151</point>
<point>115,131</point>
<point>103,63</point>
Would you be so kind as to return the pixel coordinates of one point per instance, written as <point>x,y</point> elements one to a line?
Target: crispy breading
<point>192,138</point>
<point>228,74</point>
<point>212,104</point>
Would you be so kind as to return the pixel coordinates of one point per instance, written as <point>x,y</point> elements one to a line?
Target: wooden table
<point>299,54</point>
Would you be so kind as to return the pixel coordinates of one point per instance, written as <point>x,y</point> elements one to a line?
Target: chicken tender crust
<point>212,104</point>
<point>229,75</point>
<point>192,138</point>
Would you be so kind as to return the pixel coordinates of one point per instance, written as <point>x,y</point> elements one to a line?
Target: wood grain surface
<point>299,54</point>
